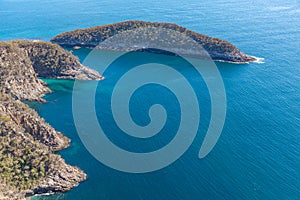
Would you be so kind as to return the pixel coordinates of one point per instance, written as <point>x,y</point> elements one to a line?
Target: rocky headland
<point>22,62</point>
<point>28,164</point>
<point>153,37</point>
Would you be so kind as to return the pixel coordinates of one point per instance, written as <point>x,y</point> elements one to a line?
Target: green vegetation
<point>91,37</point>
<point>2,118</point>
<point>21,164</point>
<point>27,142</point>
<point>23,159</point>
<point>27,162</point>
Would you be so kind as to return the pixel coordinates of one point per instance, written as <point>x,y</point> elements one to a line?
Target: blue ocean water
<point>257,155</point>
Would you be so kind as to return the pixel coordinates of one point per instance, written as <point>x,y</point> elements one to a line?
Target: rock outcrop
<point>18,77</point>
<point>28,120</point>
<point>22,62</point>
<point>51,61</point>
<point>28,165</point>
<point>153,37</point>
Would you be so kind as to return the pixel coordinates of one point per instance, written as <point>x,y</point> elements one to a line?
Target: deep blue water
<point>257,155</point>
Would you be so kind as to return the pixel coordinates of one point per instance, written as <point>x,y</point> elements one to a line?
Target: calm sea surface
<point>257,156</point>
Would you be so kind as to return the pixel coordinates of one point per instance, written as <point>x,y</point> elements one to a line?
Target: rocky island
<point>28,164</point>
<point>150,36</point>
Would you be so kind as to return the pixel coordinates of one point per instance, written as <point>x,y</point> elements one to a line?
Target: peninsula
<point>154,37</point>
<point>28,165</point>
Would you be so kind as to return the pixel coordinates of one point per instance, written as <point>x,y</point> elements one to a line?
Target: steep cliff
<point>22,62</point>
<point>51,61</point>
<point>27,163</point>
<point>146,36</point>
<point>18,77</point>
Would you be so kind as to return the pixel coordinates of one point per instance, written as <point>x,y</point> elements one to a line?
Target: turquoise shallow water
<point>257,156</point>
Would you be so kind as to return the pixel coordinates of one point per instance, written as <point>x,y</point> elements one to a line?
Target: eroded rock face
<point>17,74</point>
<point>27,163</point>
<point>28,120</point>
<point>141,35</point>
<point>51,61</point>
<point>22,62</point>
<point>61,177</point>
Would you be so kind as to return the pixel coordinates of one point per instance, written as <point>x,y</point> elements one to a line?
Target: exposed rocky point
<point>22,62</point>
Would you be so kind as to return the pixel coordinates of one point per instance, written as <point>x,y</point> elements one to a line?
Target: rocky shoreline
<point>28,165</point>
<point>153,37</point>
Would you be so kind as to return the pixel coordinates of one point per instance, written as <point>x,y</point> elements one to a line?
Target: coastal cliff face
<point>17,74</point>
<point>27,163</point>
<point>143,34</point>
<point>51,61</point>
<point>22,62</point>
